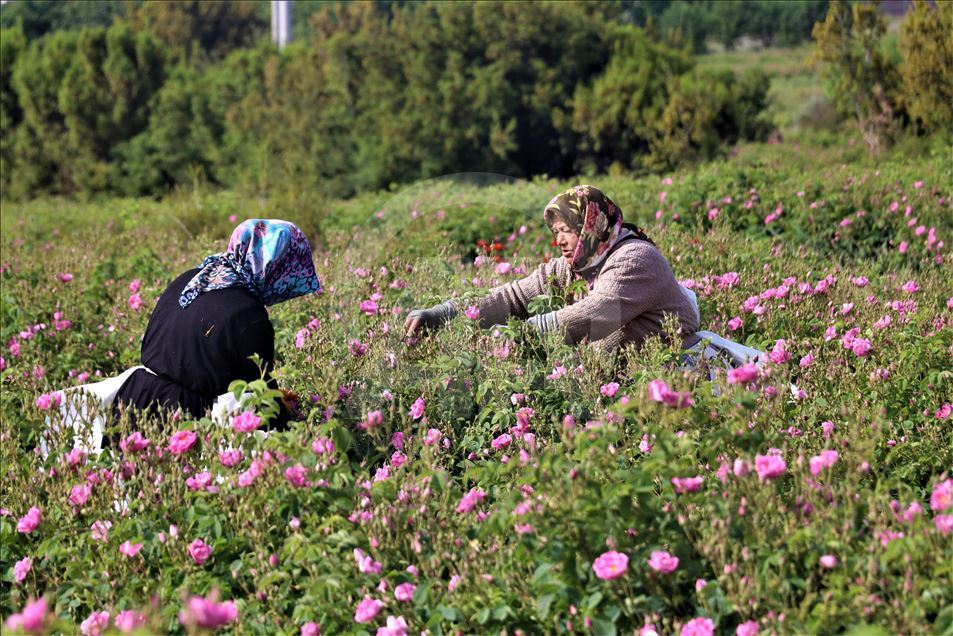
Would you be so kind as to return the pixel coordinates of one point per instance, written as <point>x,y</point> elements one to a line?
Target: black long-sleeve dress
<point>198,351</point>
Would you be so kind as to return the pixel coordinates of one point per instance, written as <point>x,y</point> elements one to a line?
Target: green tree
<point>687,23</point>
<point>616,115</point>
<point>705,112</point>
<point>82,93</point>
<point>39,17</point>
<point>12,43</point>
<point>208,29</point>
<point>926,44</point>
<point>861,79</point>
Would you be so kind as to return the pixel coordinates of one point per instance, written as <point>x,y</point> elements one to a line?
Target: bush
<point>484,538</point>
<point>927,67</point>
<point>649,110</point>
<point>81,92</point>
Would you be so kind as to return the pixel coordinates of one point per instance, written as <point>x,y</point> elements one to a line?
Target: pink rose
<point>246,422</point>
<point>610,389</point>
<point>394,627</point>
<point>129,549</point>
<point>662,561</point>
<point>743,374</point>
<point>943,524</point>
<point>417,408</point>
<point>365,563</point>
<point>181,442</point>
<point>208,613</point>
<point>31,619</point>
<point>100,530</point>
<point>95,624</point>
<point>501,441</point>
<point>79,495</point>
<point>30,521</point>
<point>135,302</point>
<point>405,592</point>
<point>821,462</point>
<point>748,628</point>
<point>128,621</point>
<point>687,484</point>
<point>310,629</point>
<point>373,420</point>
<point>698,627</point>
<point>230,458</point>
<point>432,437</point>
<point>199,551</point>
<point>610,565</point>
<point>367,610</point>
<point>470,500</point>
<point>860,346</point>
<point>322,446</point>
<point>828,561</point>
<point>369,307</point>
<point>21,568</point>
<point>769,466</point>
<point>297,476</point>
<point>942,496</point>
<point>357,348</point>
<point>49,401</point>
<point>134,442</point>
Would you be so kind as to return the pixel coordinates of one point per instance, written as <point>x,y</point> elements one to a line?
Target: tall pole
<point>281,22</point>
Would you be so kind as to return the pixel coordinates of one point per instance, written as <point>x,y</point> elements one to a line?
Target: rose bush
<point>486,480</point>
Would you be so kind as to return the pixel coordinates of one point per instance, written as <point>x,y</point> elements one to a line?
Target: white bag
<point>83,407</point>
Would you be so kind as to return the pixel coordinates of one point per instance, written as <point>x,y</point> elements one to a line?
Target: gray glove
<point>545,323</point>
<point>431,318</point>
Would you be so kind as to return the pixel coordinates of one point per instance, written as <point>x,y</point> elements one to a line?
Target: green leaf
<point>594,600</point>
<point>603,627</point>
<point>422,593</point>
<point>543,603</point>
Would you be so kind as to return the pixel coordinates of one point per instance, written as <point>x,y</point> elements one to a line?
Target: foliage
<point>12,43</point>
<point>927,67</point>
<point>862,80</point>
<point>563,492</point>
<point>727,22</point>
<point>81,92</point>
<point>380,96</point>
<point>192,28</point>
<point>40,17</point>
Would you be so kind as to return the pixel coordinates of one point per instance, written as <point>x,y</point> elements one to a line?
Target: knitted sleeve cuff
<point>545,323</point>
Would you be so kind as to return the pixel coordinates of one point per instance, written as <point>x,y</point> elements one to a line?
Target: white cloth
<point>737,353</point>
<point>83,409</point>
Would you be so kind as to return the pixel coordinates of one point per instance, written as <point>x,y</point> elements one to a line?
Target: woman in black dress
<point>211,320</point>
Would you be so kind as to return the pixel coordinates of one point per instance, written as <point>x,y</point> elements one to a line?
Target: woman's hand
<point>431,318</point>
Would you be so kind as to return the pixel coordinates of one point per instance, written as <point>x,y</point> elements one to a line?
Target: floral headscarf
<point>271,258</point>
<point>588,212</point>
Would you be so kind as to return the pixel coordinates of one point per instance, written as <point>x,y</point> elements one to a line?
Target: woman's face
<point>566,239</point>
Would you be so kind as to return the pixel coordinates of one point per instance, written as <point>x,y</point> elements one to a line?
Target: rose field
<point>492,481</point>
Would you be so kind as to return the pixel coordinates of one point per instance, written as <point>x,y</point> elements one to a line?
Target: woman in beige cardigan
<point>631,287</point>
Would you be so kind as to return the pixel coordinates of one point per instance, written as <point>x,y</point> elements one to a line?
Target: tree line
<point>378,95</point>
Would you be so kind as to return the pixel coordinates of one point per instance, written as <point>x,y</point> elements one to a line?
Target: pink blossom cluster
<point>660,392</point>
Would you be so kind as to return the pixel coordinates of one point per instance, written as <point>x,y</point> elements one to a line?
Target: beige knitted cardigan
<point>629,297</point>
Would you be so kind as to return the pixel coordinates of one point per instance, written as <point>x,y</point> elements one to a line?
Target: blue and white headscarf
<point>271,258</point>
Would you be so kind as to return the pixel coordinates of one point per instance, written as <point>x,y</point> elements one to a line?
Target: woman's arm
<point>512,299</point>
<point>258,338</point>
